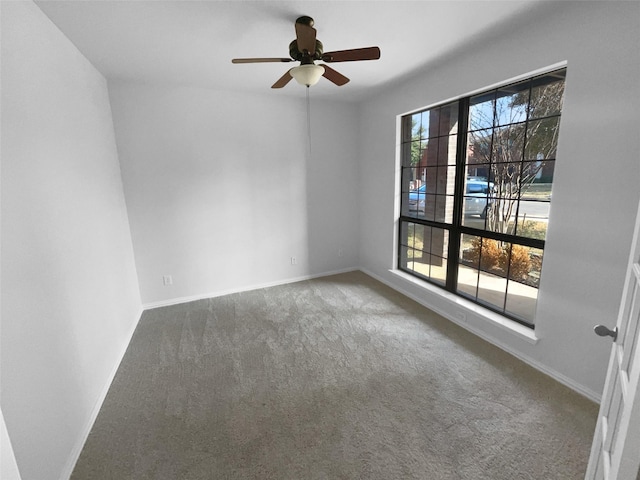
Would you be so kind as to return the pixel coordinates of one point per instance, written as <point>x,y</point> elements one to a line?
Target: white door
<point>615,453</point>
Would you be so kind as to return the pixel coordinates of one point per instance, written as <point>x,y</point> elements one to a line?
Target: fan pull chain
<point>309,121</point>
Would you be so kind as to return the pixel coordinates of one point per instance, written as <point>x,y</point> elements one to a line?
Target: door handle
<point>603,331</point>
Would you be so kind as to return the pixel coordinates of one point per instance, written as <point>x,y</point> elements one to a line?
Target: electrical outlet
<point>293,261</point>
<point>167,280</point>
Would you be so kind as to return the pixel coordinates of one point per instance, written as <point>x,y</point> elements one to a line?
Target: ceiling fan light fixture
<point>307,74</point>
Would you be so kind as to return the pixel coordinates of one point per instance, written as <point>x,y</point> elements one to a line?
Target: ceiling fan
<point>306,49</point>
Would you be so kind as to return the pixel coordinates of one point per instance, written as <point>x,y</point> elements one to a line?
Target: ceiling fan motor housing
<point>296,54</point>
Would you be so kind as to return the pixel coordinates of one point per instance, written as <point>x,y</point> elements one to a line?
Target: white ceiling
<point>192,42</point>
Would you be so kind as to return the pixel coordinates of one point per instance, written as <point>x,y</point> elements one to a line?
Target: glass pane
<point>475,211</point>
<point>511,104</point>
<point>428,258</point>
<point>481,111</point>
<point>413,153</point>
<point>533,210</point>
<point>531,227</point>
<point>429,209</point>
<point>448,187</point>
<point>479,146</point>
<point>501,215</point>
<point>492,256</point>
<point>535,254</point>
<point>402,261</point>
<point>419,177</point>
<point>441,180</point>
<point>449,119</point>
<point>521,301</point>
<point>422,237</point>
<point>415,125</point>
<point>438,269</point>
<point>467,280</point>
<point>508,143</point>
<point>420,263</point>
<point>477,191</point>
<point>406,179</point>
<point>472,220</point>
<point>516,262</point>
<point>478,186</point>
<point>419,128</point>
<point>404,232</point>
<point>537,177</point>
<point>444,209</point>
<point>424,124</point>
<point>524,264</point>
<point>502,202</point>
<point>483,253</point>
<point>434,122</point>
<point>542,139</point>
<point>439,242</point>
<point>546,95</point>
<point>416,199</point>
<point>406,154</point>
<point>467,243</point>
<point>429,156</point>
<point>447,148</point>
<point>491,289</point>
<point>480,171</point>
<point>407,128</point>
<point>505,178</point>
<point>405,185</point>
<point>404,210</point>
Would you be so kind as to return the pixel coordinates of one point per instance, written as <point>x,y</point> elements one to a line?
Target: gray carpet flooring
<point>332,378</point>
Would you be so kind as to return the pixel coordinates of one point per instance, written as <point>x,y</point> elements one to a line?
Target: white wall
<point>221,190</point>
<point>70,297</point>
<point>595,190</point>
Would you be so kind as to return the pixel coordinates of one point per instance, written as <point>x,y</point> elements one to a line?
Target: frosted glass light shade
<point>307,74</point>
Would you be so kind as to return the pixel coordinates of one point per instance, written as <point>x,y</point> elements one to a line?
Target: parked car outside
<point>416,199</point>
<point>476,200</point>
<point>476,195</point>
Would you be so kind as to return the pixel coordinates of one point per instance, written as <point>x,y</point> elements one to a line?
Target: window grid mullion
<point>454,235</point>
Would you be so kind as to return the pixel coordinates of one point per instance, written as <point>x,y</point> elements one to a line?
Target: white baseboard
<point>77,450</point>
<point>220,293</point>
<point>568,382</point>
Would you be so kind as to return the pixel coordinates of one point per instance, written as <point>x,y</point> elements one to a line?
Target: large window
<point>476,191</point>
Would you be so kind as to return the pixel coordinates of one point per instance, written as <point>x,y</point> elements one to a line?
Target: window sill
<point>461,308</point>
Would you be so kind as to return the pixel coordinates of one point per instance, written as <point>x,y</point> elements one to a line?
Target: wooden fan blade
<point>283,80</point>
<point>333,76</point>
<point>306,38</point>
<point>260,60</point>
<point>353,55</point>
